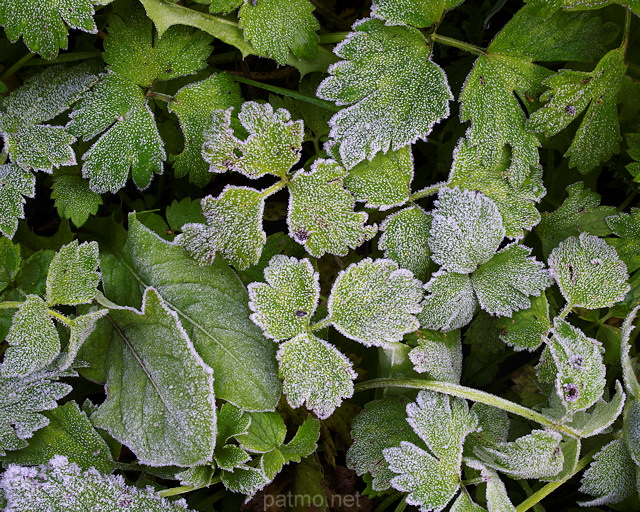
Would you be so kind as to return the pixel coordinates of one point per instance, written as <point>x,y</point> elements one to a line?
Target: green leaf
<point>73,275</point>
<point>183,212</point>
<point>316,373</point>
<point>266,432</point>
<point>233,229</point>
<point>228,458</point>
<point>395,92</point>
<point>81,328</point>
<point>572,92</point>
<point>283,305</point>
<point>628,371</point>
<point>194,105</point>
<point>224,6</point>
<point>74,199</point>
<point>275,27</point>
<point>41,147</point>
<point>526,329</point>
<point>439,355</point>
<point>273,145</point>
<point>631,429</point>
<point>600,416</point>
<point>450,304</point>
<point>419,13</point>
<point>14,184</point>
<point>246,480</point>
<point>497,496</point>
<point>463,503</point>
<point>33,340</point>
<point>154,369</point>
<point>321,215</point>
<point>588,272</point>
<point>627,227</point>
<point>304,441</point>
<point>61,485</point>
<point>231,422</point>
<point>10,256</point>
<point>375,302</point>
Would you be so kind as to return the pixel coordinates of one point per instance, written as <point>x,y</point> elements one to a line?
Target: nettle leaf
<point>437,354</point>
<point>154,369</point>
<point>526,329</point>
<point>572,92</point>
<point>316,373</point>
<point>277,27</point>
<point>74,199</point>
<point>273,145</point>
<point>375,302</point>
<point>63,485</point>
<point>580,380</point>
<point>194,105</point>
<point>73,275</point>
<point>419,13</point>
<point>395,92</point>
<point>233,229</point>
<point>450,303</point>
<point>15,184</point>
<point>589,272</point>
<point>321,215</point>
<point>283,305</point>
<point>466,230</point>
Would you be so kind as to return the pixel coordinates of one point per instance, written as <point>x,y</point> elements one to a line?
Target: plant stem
<point>52,312</point>
<point>627,29</point>
<point>186,488</point>
<point>13,69</point>
<point>67,57</point>
<point>10,305</point>
<point>461,45</point>
<point>274,188</point>
<point>433,189</point>
<point>567,309</point>
<point>321,324</point>
<point>469,394</point>
<point>332,38</point>
<point>160,96</point>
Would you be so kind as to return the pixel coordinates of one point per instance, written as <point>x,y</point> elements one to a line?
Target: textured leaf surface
<point>10,256</point>
<point>74,199</point>
<point>394,91</point>
<point>304,441</point>
<point>419,13</point>
<point>375,302</point>
<point>526,329</point>
<point>266,432</point>
<point>81,328</point>
<point>321,215</point>
<point>73,275</point>
<point>601,416</point>
<point>231,422</point>
<point>283,305</point>
<point>439,355</point>
<point>627,227</point>
<point>41,147</point>
<point>450,302</point>
<point>15,184</point>
<point>316,373</point>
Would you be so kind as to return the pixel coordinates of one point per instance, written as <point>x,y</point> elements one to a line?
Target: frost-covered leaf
<point>33,340</point>
<point>627,227</point>
<point>10,256</point>
<point>628,370</point>
<point>304,441</point>
<point>277,27</point>
<point>61,485</point>
<point>14,184</point>
<point>73,275</point>
<point>233,229</point>
<point>41,147</point>
<point>244,480</point>
<point>231,422</point>
<point>321,215</point>
<point>266,432</point>
<point>493,425</point>
<point>185,211</point>
<point>505,283</point>
<point>194,105</point>
<point>600,416</point>
<point>283,305</point>
<point>395,93</point>
<point>572,92</point>
<point>316,373</point>
<point>154,369</point>
<point>497,496</point>
<point>611,477</point>
<point>580,380</point>
<point>81,328</point>
<point>466,230</point>
<point>404,239</point>
<point>383,182</point>
<point>196,476</point>
<point>438,354</point>
<point>589,272</point>
<point>273,145</point>
<point>419,13</point>
<point>74,199</point>
<point>631,429</point>
<point>450,302</point>
<point>229,457</point>
<point>224,6</point>
<point>526,329</point>
<point>547,7</point>
<point>375,302</point>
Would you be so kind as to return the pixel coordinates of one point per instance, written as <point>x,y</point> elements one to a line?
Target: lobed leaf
<point>450,304</point>
<point>439,355</point>
<point>419,13</point>
<point>231,421</point>
<point>265,433</point>
<point>600,416</point>
<point>73,275</point>
<point>41,147</point>
<point>15,184</point>
<point>74,199</point>
<point>527,328</point>
<point>627,227</point>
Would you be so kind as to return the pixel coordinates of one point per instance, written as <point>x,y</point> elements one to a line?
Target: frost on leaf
<point>321,215</point>
<point>466,230</point>
<point>74,199</point>
<point>450,302</point>
<point>375,302</point>
<point>600,416</point>
<point>273,145</point>
<point>276,27</point>
<point>526,329</point>
<point>627,227</point>
<point>231,422</point>
<point>316,373</point>
<point>244,480</point>
<point>580,379</point>
<point>572,92</point>
<point>437,354</point>
<point>505,283</point>
<point>61,485</point>
<point>266,432</point>
<point>154,369</point>
<point>284,305</point>
<point>15,184</point>
<point>233,229</point>
<point>81,328</point>
<point>33,340</point>
<point>194,105</point>
<point>73,274</point>
<point>589,272</point>
<point>418,13</point>
<point>497,496</point>
<point>394,92</point>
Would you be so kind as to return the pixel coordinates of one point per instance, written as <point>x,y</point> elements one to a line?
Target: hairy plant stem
<point>160,96</point>
<point>469,394</point>
<point>567,309</point>
<point>429,191</point>
<point>461,45</point>
<point>186,488</point>
<point>321,324</point>
<point>332,38</point>
<point>51,312</point>
<point>274,188</point>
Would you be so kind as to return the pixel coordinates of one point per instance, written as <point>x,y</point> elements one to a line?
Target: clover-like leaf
<point>15,185</point>
<point>233,229</point>
<point>74,199</point>
<point>73,275</point>
<point>589,272</point>
<point>273,145</point>
<point>418,13</point>
<point>375,302</point>
<point>316,373</point>
<point>321,215</point>
<point>450,303</point>
<point>395,92</point>
<point>466,230</point>
<point>283,305</point>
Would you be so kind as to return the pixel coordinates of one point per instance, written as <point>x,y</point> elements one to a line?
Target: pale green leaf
<point>41,147</point>
<point>463,503</point>
<point>266,432</point>
<point>283,305</point>
<point>497,496</point>
<point>155,370</point>
<point>231,422</point>
<point>547,7</point>
<point>73,275</point>
<point>419,13</point>
<point>316,373</point>
<point>526,329</point>
<point>245,480</point>
<point>628,370</point>
<point>493,425</point>
<point>229,457</point>
<point>321,215</point>
<point>395,93</point>
<point>374,302</point>
<point>275,27</point>
<point>10,256</point>
<point>600,416</point>
<point>81,328</point>
<point>438,354</point>
<point>589,272</point>
<point>15,184</point>
<point>196,476</point>
<point>631,429</point>
<point>224,6</point>
<point>74,199</point>
<point>450,302</point>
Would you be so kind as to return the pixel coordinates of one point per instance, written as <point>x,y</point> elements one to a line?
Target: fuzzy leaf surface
<point>418,13</point>
<point>600,416</point>
<point>526,329</point>
<point>450,302</point>
<point>73,275</point>
<point>74,199</point>
<point>15,185</point>
<point>438,354</point>
<point>627,227</point>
